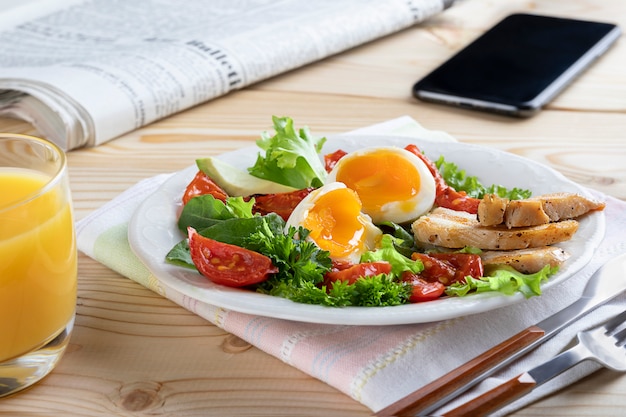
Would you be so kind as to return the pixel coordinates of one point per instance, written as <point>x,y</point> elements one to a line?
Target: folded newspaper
<point>85,72</point>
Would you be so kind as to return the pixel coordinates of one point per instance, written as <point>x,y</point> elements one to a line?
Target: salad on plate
<point>379,226</point>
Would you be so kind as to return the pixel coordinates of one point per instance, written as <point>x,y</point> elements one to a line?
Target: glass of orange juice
<point>37,260</point>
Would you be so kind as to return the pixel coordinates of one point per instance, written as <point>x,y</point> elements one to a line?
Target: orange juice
<point>37,261</point>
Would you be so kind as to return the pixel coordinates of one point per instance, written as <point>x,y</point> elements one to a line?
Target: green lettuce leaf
<point>504,279</point>
<point>291,157</point>
<point>460,181</point>
<point>388,252</point>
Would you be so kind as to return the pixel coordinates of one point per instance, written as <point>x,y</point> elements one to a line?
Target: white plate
<point>152,233</point>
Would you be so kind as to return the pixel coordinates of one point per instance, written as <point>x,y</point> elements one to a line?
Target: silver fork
<point>603,344</point>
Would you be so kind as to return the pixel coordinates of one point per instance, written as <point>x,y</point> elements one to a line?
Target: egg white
<point>363,241</point>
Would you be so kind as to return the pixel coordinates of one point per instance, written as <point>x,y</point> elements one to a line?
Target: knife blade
<point>605,284</point>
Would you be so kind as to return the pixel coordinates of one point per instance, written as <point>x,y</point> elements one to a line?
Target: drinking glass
<point>37,260</point>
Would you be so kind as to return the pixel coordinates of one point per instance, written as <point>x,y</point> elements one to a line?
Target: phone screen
<point>518,65</point>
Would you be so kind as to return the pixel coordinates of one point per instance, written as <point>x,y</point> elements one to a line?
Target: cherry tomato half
<point>465,264</point>
<point>331,159</point>
<point>201,185</point>
<point>457,200</point>
<point>227,264</point>
<point>435,270</point>
<point>446,196</point>
<point>279,203</point>
<point>353,272</point>
<point>448,268</point>
<point>423,290</point>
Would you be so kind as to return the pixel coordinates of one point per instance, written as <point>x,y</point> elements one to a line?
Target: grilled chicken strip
<point>559,206</point>
<point>457,229</point>
<point>491,210</point>
<point>527,261</point>
<point>521,213</point>
<point>534,211</point>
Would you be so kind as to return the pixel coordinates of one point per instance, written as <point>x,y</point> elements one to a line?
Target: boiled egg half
<point>333,215</point>
<point>392,183</point>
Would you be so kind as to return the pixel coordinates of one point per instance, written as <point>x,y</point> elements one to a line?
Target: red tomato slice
<point>446,196</point>
<point>449,268</point>
<point>457,200</point>
<point>439,181</point>
<point>338,265</point>
<point>464,263</point>
<point>201,185</point>
<point>279,203</point>
<point>356,271</point>
<point>435,270</point>
<point>331,159</point>
<point>423,290</point>
<point>226,264</point>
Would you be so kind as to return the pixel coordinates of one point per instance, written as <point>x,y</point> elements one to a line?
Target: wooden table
<point>136,353</point>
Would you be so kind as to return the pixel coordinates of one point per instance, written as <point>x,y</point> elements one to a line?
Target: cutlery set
<point>604,344</point>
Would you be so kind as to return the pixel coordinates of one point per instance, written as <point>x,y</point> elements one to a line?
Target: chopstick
<point>462,378</point>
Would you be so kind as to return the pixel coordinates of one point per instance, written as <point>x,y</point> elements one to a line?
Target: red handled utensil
<point>603,344</point>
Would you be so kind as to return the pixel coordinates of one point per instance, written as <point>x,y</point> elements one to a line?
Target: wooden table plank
<point>135,353</point>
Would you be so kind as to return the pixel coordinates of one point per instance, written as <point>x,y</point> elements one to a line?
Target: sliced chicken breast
<point>529,260</point>
<point>457,229</point>
<point>491,210</point>
<point>559,206</point>
<point>534,211</point>
<point>521,213</point>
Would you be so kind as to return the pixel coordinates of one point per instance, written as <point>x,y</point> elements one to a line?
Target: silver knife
<point>605,284</point>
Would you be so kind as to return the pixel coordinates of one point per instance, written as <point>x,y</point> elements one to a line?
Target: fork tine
<point>620,337</point>
<point>615,322</point>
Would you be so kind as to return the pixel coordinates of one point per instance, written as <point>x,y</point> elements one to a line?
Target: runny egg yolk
<point>337,224</point>
<point>380,177</point>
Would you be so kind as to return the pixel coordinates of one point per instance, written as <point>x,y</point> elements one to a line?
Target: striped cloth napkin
<point>375,365</point>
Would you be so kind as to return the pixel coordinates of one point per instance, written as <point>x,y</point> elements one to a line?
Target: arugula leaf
<point>460,181</point>
<point>504,279</point>
<point>291,158</point>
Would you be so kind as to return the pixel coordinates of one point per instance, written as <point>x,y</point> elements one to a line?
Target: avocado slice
<point>237,182</point>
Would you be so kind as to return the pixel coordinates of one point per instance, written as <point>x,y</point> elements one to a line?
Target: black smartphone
<point>519,65</point>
